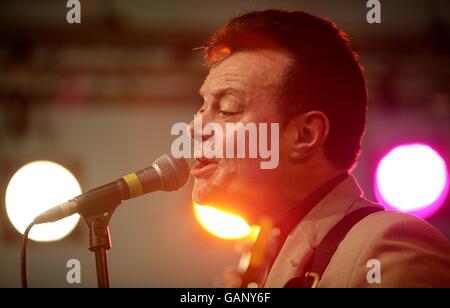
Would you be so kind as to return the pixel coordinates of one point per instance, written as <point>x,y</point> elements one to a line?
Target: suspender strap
<point>327,247</point>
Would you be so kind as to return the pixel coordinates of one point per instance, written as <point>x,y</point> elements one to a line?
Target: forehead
<point>258,69</point>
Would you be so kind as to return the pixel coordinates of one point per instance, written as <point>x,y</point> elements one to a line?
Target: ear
<point>312,128</point>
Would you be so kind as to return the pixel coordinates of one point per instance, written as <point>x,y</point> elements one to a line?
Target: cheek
<point>238,165</point>
<point>235,173</point>
<point>241,173</point>
<point>286,145</point>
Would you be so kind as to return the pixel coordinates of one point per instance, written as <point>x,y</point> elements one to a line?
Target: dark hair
<point>325,75</point>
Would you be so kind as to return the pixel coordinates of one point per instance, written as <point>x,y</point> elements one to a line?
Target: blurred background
<point>100,98</point>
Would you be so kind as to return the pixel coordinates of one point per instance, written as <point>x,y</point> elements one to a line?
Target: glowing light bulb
<point>35,188</point>
<point>412,178</point>
<point>224,225</point>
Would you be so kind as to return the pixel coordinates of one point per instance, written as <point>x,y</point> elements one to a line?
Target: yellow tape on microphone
<point>134,184</point>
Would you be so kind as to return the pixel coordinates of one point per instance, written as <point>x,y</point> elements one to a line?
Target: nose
<point>196,128</point>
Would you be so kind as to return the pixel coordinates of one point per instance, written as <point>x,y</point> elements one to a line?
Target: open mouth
<point>204,167</point>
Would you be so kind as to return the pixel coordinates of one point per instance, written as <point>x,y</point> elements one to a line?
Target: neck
<point>297,189</point>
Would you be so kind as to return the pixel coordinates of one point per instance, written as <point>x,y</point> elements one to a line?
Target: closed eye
<point>228,113</point>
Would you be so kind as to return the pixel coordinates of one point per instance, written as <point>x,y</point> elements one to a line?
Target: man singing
<point>298,70</point>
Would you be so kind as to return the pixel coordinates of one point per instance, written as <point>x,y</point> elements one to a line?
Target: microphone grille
<point>174,171</point>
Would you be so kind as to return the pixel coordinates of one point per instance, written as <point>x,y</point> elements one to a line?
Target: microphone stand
<point>100,243</point>
<point>99,237</point>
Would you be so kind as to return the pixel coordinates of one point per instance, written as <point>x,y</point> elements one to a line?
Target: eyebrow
<point>219,93</point>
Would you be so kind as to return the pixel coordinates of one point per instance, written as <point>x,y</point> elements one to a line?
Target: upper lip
<point>204,160</point>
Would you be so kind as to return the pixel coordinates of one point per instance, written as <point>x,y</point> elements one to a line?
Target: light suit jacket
<point>392,248</point>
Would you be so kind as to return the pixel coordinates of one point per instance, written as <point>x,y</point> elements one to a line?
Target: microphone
<point>167,173</point>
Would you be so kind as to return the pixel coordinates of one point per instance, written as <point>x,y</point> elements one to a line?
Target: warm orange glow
<point>224,225</point>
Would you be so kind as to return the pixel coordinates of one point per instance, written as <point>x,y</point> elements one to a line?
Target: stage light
<point>224,225</point>
<point>412,178</point>
<point>35,188</point>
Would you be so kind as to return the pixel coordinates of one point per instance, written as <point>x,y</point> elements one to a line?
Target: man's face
<point>242,88</point>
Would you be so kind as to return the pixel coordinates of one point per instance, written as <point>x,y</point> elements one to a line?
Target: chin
<point>204,193</point>
<point>219,198</point>
<point>222,198</point>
